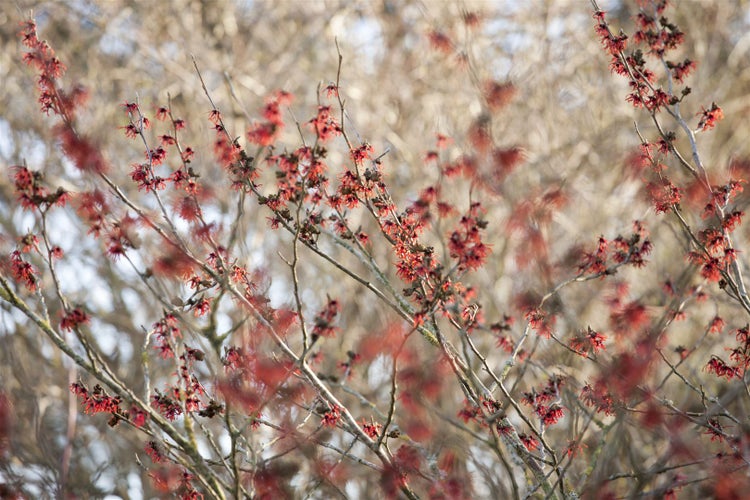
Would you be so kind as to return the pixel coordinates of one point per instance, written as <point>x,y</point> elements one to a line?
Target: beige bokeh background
<point>568,115</point>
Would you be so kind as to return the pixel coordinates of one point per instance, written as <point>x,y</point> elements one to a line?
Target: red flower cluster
<point>29,186</point>
<point>265,133</point>
<point>681,70</point>
<point>709,117</point>
<point>372,429</point>
<point>739,356</point>
<point>332,417</point>
<point>530,442</point>
<point>43,58</point>
<point>498,94</point>
<point>719,367</point>
<point>73,319</point>
<point>155,452</point>
<point>166,332</point>
<point>664,195</point>
<point>587,342</point>
<point>549,414</point>
<point>611,254</point>
<point>96,401</point>
<point>541,322</point>
<point>167,406</point>
<point>324,125</point>
<point>659,36</point>
<point>92,207</point>
<point>22,271</point>
<point>324,320</point>
<point>440,41</point>
<point>628,317</point>
<point>361,153</point>
<point>465,243</point>
<point>599,397</point>
<point>716,256</point>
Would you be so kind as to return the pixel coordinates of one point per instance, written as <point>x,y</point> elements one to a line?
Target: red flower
<point>588,341</point>
<point>188,209</point>
<point>574,449</point>
<point>137,416</point>
<point>440,42</point>
<point>598,397</point>
<point>331,90</point>
<point>324,320</point>
<point>472,19</point>
<point>680,71</point>
<point>187,155</point>
<point>709,117</point>
<point>629,317</point>
<point>497,94</point>
<point>23,271</point>
<point>131,131</point>
<point>469,412</point>
<point>731,221</point>
<point>408,458</point>
<point>174,263</point>
<point>154,451</point>
<point>214,116</point>
<point>540,322</point>
<point>361,153</point>
<point>324,125</point>
<point>657,100</point>
<point>332,417</point>
<point>263,134</point>
<point>442,141</point>
<point>530,442</point>
<point>612,44</point>
<point>233,359</point>
<point>162,113</point>
<point>550,414</point>
<point>202,307</point>
<point>717,366</point>
<point>717,325</point>
<point>96,401</point>
<point>506,160</point>
<point>166,405</point>
<point>712,269</point>
<point>372,429</point>
<point>81,151</point>
<point>74,319</point>
<point>664,195</point>
<point>130,107</point>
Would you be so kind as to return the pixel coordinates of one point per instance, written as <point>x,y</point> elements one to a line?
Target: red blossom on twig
<point>709,117</point>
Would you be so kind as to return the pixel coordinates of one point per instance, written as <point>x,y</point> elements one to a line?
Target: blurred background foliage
<point>568,115</point>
